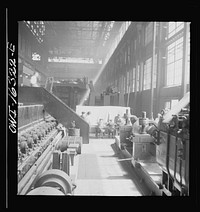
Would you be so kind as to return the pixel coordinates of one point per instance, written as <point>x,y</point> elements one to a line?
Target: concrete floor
<point>101,174</point>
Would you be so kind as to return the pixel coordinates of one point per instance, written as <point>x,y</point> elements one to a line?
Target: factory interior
<point>103,108</point>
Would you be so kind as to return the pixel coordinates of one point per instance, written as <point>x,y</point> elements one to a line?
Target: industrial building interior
<point>103,108</point>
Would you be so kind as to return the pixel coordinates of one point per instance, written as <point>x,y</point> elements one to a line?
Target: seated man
<point>100,128</point>
<point>82,115</point>
<point>118,122</point>
<point>111,128</point>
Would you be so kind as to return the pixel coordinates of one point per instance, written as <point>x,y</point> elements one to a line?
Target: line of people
<point>111,127</point>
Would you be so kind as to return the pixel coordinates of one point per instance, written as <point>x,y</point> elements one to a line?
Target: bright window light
<point>174,63</point>
<point>149,33</point>
<point>147,74</point>
<point>174,27</point>
<point>72,60</point>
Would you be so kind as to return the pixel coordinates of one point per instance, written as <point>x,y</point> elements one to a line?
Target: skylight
<point>72,60</point>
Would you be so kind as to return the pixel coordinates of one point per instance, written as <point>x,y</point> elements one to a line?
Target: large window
<point>171,103</point>
<point>149,33</point>
<point>138,78</point>
<point>133,80</point>
<point>174,27</point>
<point>174,63</point>
<point>188,60</point>
<point>155,71</point>
<point>147,75</point>
<point>127,82</point>
<point>124,84</point>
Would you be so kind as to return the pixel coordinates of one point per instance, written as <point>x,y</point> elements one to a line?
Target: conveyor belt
<point>100,173</point>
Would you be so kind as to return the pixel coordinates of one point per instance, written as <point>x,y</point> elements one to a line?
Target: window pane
<point>171,26</point>
<point>179,26</point>
<point>148,33</point>
<point>167,105</point>
<point>174,62</point>
<point>188,65</point>
<point>138,77</point>
<point>174,27</point>
<point>170,74</point>
<point>170,56</point>
<point>147,74</point>
<point>178,72</point>
<point>174,102</point>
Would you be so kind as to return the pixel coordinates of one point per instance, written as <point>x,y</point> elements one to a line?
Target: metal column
<point>152,68</point>
<point>185,58</point>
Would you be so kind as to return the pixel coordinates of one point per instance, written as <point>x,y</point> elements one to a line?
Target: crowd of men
<point>112,127</point>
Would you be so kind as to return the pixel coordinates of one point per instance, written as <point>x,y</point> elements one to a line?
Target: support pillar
<point>92,99</point>
<point>152,69</point>
<point>185,58</point>
<point>66,162</point>
<point>56,160</point>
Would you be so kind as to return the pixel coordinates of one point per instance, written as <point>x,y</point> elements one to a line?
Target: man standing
<point>87,117</point>
<point>111,128</point>
<point>34,80</point>
<point>82,115</point>
<point>118,123</point>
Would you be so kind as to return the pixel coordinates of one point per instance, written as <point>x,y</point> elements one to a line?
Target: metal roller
<point>55,178</point>
<point>45,191</point>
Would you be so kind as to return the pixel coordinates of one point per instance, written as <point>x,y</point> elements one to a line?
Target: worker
<point>100,129</point>
<point>82,115</point>
<point>135,124</point>
<point>87,117</point>
<point>62,129</point>
<point>73,124</point>
<point>34,80</point>
<point>118,123</point>
<point>111,128</point>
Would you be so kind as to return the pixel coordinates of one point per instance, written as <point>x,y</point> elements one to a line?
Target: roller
<point>44,190</point>
<point>55,178</point>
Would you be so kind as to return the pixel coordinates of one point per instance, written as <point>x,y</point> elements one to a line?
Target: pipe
<point>33,178</point>
<point>167,154</point>
<point>39,170</point>
<point>152,68</point>
<point>31,171</point>
<point>41,167</point>
<point>175,160</point>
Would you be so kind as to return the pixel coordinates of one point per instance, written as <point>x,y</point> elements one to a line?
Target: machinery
<point>160,151</point>
<point>143,122</point>
<point>39,173</point>
<point>172,140</point>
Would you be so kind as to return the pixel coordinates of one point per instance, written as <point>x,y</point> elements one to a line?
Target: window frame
<point>172,62</point>
<point>146,79</point>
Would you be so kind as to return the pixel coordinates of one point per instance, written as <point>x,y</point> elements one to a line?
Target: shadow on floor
<point>109,156</point>
<point>127,167</point>
<point>123,177</point>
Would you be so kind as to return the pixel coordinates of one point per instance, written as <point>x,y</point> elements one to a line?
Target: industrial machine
<point>160,151</point>
<point>46,148</point>
<point>172,138</point>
